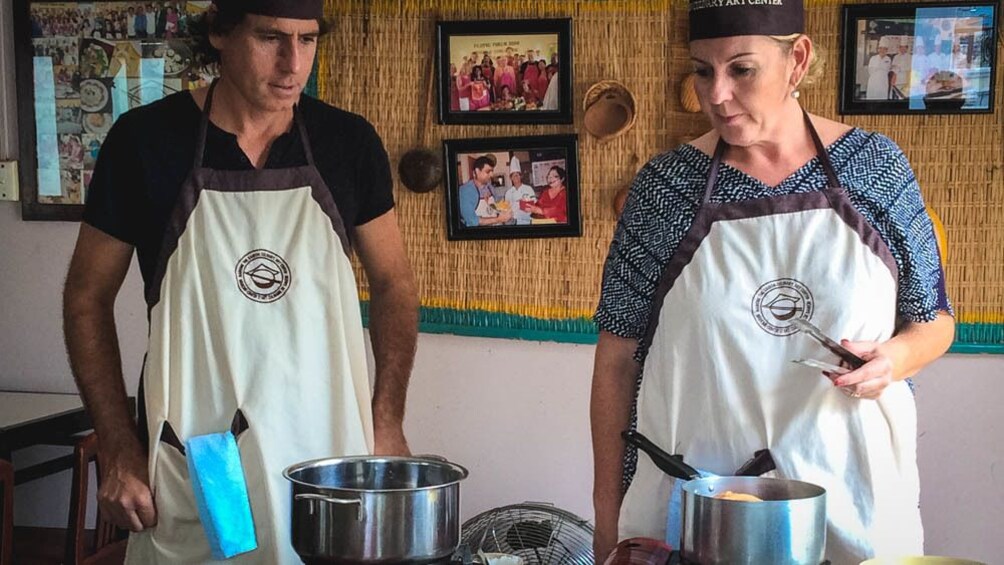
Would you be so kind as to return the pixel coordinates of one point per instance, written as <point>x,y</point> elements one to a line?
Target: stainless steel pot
<point>370,510</point>
<point>787,528</point>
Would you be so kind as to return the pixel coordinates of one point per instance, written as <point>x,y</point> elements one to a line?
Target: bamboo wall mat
<point>379,62</point>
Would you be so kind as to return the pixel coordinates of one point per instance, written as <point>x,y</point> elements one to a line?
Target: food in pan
<point>738,496</point>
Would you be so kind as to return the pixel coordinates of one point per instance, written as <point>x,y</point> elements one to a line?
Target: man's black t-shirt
<point>150,151</point>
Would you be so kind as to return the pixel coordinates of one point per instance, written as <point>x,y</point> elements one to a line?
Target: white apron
<point>254,310</point>
<point>719,383</point>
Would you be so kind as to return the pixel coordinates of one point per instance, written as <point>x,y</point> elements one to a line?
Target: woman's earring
<point>795,94</point>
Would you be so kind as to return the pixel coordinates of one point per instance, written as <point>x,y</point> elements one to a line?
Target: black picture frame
<point>537,155</point>
<point>496,35</point>
<point>940,58</point>
<point>72,36</point>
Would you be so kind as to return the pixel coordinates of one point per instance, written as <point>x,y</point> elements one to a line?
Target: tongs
<point>845,355</point>
<point>673,465</point>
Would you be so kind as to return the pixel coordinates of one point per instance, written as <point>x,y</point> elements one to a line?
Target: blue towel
<point>221,494</point>
<point>674,511</point>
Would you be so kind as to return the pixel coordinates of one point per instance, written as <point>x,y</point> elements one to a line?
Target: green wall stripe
<point>969,338</point>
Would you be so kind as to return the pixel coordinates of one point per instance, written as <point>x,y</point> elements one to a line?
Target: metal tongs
<point>845,355</point>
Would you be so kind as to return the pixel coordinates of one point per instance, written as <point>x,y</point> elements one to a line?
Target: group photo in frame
<point>919,58</point>
<point>79,67</point>
<point>504,71</point>
<point>518,187</point>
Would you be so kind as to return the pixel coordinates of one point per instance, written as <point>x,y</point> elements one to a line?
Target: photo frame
<point>512,187</point>
<point>79,66</point>
<point>919,58</point>
<point>504,71</point>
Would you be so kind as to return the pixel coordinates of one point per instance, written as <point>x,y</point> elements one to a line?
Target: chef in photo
<point>243,202</point>
<point>879,66</point>
<point>901,67</point>
<point>772,215</point>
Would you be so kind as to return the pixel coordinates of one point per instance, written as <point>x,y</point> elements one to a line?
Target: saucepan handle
<point>331,500</point>
<point>761,463</point>
<point>669,464</point>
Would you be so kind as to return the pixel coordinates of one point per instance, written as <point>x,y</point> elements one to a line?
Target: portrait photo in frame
<point>504,71</point>
<point>518,187</point>
<point>919,58</point>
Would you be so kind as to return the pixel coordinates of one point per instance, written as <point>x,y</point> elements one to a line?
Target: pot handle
<point>331,500</point>
<point>669,464</point>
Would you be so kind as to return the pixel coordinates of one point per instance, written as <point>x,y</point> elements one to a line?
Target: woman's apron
<point>719,382</point>
<point>254,313</point>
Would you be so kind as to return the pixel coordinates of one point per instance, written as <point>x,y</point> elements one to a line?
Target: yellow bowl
<point>919,560</point>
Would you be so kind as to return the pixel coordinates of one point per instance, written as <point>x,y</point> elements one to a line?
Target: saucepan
<point>371,510</point>
<point>787,526</point>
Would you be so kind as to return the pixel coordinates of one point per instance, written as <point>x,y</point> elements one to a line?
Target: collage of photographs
<point>92,63</point>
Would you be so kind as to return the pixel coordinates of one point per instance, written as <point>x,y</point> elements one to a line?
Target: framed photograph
<point>503,188</point>
<point>504,71</point>
<point>80,65</point>
<point>919,58</point>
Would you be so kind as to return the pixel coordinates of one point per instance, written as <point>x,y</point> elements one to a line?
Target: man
<point>477,205</point>
<point>253,310</point>
<point>131,23</point>
<point>901,67</point>
<point>151,20</point>
<point>138,24</point>
<point>517,194</point>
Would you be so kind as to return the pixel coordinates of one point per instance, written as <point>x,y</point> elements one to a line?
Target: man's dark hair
<point>481,161</point>
<point>222,21</point>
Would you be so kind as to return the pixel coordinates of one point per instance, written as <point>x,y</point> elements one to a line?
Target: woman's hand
<point>870,379</point>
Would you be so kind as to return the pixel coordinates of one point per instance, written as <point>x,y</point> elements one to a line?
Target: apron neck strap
<point>200,143</point>
<point>824,159</point>
<point>716,163</point>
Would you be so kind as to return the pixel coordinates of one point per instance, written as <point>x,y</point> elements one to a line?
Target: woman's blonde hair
<point>816,56</point>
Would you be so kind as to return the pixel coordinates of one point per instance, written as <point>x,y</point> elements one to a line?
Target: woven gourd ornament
<point>688,94</point>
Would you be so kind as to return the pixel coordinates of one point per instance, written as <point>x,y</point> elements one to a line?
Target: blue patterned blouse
<point>666,194</point>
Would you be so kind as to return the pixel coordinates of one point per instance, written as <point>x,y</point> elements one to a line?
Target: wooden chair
<point>6,512</point>
<point>109,542</point>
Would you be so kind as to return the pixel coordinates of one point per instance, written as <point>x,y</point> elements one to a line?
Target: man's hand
<point>125,497</point>
<point>390,442</point>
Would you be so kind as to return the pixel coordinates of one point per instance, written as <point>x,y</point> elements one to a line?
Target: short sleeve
<point>657,215</point>
<point>374,184</point>
<point>909,232</point>
<point>468,205</point>
<point>114,193</point>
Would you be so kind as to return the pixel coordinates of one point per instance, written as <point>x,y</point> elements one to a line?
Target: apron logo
<point>780,301</point>
<point>263,276</point>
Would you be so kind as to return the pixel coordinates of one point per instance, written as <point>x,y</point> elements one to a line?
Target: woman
<point>480,89</point>
<point>506,100</point>
<point>507,76</point>
<point>540,86</point>
<point>722,242</point>
<point>463,85</point>
<point>878,72</point>
<point>553,201</point>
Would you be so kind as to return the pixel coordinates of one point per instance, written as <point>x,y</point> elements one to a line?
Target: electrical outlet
<point>8,181</point>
